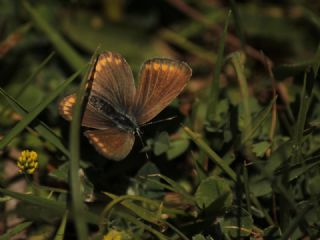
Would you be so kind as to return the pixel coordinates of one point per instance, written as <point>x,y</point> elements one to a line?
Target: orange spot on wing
<point>95,139</point>
<point>171,67</point>
<point>102,62</point>
<point>164,67</point>
<point>147,66</point>
<point>109,59</point>
<point>117,61</point>
<point>100,144</point>
<point>98,67</point>
<point>156,66</point>
<point>72,100</point>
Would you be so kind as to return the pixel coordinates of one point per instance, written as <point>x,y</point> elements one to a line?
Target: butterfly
<point>115,107</point>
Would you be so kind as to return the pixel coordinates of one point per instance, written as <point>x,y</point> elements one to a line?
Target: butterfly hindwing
<point>66,106</point>
<point>112,143</point>
<point>160,81</point>
<point>91,118</point>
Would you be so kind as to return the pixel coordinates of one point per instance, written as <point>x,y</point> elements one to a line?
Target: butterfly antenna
<point>159,121</point>
<point>138,131</point>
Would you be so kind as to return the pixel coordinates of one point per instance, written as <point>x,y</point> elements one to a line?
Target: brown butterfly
<point>115,108</point>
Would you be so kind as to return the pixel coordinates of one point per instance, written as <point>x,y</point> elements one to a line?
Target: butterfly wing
<point>91,118</point>
<point>113,81</point>
<point>160,81</point>
<point>112,143</point>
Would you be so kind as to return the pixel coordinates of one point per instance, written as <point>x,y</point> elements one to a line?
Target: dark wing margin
<point>160,81</point>
<point>112,143</point>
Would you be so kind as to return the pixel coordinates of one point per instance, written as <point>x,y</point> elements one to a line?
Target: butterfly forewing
<point>113,81</point>
<point>112,143</point>
<point>160,81</point>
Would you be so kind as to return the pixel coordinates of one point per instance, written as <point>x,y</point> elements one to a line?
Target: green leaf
<point>272,232</point>
<point>314,186</point>
<point>61,173</point>
<point>161,144</point>
<point>214,193</point>
<point>237,223</point>
<point>177,147</point>
<point>260,148</point>
<point>177,188</point>
<point>146,188</point>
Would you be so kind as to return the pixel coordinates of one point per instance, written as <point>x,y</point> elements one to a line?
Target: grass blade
<point>34,113</point>
<point>212,155</point>
<point>40,126</point>
<point>29,79</point>
<point>71,56</point>
<point>238,22</point>
<point>305,100</point>
<point>215,86</point>
<point>136,222</point>
<point>52,206</point>
<point>184,43</point>
<point>257,122</point>
<point>76,195</point>
<point>237,61</point>
<point>62,227</point>
<point>32,76</point>
<point>15,230</point>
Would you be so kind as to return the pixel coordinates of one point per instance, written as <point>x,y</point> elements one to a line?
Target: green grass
<point>240,160</point>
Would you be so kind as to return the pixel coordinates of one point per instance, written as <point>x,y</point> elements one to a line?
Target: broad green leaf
<point>142,186</point>
<point>260,148</point>
<point>272,232</point>
<point>214,193</point>
<point>177,147</point>
<point>237,223</point>
<point>161,144</point>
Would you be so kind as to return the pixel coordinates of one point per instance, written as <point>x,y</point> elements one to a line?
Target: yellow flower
<point>113,235</point>
<point>28,162</point>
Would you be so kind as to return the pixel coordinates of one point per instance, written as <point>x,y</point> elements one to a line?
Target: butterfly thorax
<point>118,116</point>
